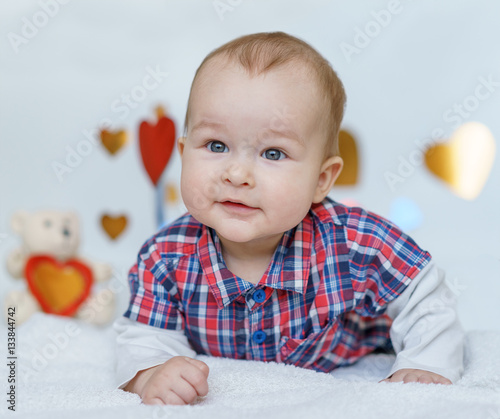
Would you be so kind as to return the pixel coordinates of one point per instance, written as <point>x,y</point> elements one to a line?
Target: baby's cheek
<point>291,201</point>
<point>297,188</point>
<point>198,190</point>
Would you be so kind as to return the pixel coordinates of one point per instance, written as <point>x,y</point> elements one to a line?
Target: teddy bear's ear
<point>73,216</point>
<point>18,220</point>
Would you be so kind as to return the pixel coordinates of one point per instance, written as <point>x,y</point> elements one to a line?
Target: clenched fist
<point>178,381</point>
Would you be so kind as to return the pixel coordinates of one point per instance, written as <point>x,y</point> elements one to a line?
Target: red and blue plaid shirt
<point>319,305</point>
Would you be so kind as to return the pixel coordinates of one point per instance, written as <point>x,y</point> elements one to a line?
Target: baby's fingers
<point>425,379</point>
<point>179,392</point>
<point>199,364</point>
<point>170,398</point>
<point>183,390</point>
<point>442,380</point>
<point>197,376</point>
<point>410,378</point>
<point>416,376</point>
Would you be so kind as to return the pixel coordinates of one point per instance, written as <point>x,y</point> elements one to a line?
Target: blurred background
<point>414,73</point>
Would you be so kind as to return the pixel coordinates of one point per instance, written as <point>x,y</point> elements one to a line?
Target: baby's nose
<point>238,174</point>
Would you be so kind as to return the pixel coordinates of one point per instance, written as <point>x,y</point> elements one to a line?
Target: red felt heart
<point>59,287</point>
<point>156,142</point>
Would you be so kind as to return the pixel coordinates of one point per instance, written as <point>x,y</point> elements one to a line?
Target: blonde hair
<point>262,52</point>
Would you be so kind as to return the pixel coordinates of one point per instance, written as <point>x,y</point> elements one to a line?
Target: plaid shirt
<point>319,305</point>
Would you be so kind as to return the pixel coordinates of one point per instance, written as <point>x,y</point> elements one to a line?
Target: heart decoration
<point>171,194</point>
<point>114,226</point>
<point>156,142</point>
<point>59,287</point>
<point>406,214</point>
<point>465,162</point>
<point>349,153</point>
<point>113,141</point>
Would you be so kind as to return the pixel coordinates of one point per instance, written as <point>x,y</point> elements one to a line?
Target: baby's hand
<point>417,376</point>
<point>178,381</point>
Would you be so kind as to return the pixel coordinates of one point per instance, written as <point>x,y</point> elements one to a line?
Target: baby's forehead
<point>299,80</point>
<point>293,68</point>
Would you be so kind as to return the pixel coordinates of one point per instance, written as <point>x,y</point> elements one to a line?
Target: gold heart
<point>113,226</point>
<point>349,153</point>
<point>171,194</point>
<point>465,162</point>
<point>113,141</point>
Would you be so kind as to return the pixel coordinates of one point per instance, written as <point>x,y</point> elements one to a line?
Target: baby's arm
<point>157,364</point>
<point>426,334</point>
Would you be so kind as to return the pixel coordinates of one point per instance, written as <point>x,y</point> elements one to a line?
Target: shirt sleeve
<point>151,331</point>
<point>155,299</point>
<point>383,261</point>
<point>426,333</point>
<point>139,347</point>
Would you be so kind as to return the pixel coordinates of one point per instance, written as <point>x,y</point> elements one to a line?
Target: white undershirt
<point>426,333</point>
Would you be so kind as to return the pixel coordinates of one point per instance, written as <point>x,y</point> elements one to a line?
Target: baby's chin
<point>236,234</point>
<point>248,237</point>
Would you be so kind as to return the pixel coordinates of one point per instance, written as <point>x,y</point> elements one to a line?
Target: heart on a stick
<point>156,142</point>
<point>59,287</point>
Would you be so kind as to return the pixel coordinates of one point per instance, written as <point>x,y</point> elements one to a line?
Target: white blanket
<point>65,369</point>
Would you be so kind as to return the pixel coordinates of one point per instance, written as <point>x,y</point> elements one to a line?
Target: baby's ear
<point>330,171</point>
<point>180,145</point>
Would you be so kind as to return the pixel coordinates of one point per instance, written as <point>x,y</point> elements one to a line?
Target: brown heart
<point>349,153</point>
<point>113,141</point>
<point>114,226</point>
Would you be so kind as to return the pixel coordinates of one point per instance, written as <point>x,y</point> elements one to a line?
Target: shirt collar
<point>328,211</point>
<point>288,270</point>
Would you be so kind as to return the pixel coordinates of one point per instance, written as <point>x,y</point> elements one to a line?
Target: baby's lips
<point>235,201</point>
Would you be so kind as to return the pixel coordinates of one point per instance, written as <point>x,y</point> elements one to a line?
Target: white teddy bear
<point>55,234</point>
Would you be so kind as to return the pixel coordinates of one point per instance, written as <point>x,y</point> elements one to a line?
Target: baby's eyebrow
<point>283,133</point>
<point>206,124</point>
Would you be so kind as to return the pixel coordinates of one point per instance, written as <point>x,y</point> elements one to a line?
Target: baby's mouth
<point>236,206</point>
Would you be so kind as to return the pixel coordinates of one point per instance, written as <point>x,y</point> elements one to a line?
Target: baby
<point>265,266</point>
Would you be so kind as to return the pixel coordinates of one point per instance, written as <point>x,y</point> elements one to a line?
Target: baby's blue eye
<point>274,154</point>
<point>217,147</point>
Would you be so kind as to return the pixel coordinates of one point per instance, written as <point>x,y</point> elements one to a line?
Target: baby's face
<point>252,157</point>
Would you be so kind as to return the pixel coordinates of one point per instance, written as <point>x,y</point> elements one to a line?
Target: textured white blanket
<point>65,369</point>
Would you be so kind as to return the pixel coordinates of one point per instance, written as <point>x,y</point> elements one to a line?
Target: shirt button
<point>259,337</point>
<point>259,296</point>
